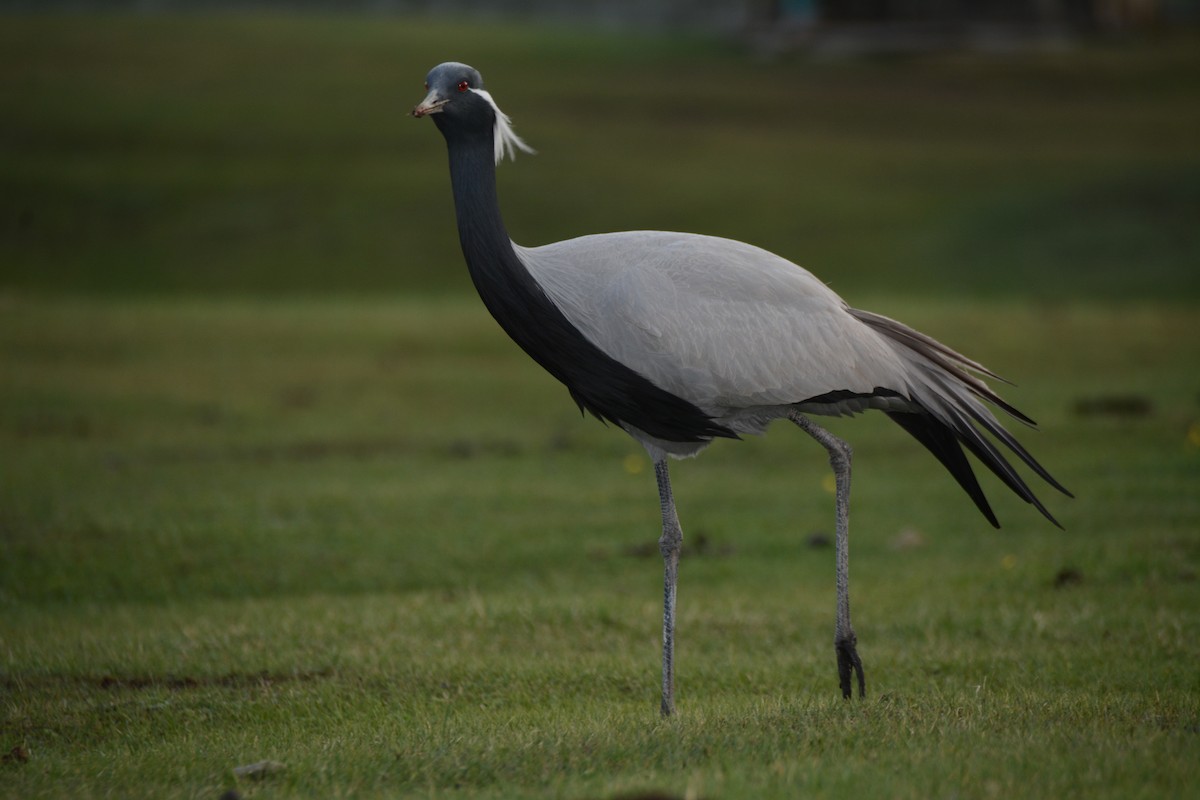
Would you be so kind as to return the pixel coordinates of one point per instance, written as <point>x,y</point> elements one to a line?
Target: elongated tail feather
<point>943,443</point>
<point>943,386</point>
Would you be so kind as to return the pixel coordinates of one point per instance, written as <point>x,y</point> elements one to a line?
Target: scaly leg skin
<point>669,544</point>
<point>844,640</point>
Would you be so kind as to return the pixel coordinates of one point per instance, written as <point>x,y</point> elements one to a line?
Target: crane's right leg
<point>844,639</point>
<point>669,544</point>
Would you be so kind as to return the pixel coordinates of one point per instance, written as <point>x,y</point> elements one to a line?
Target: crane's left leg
<point>844,639</point>
<point>670,544</point>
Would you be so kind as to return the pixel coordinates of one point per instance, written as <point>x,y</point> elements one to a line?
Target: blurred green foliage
<point>273,155</point>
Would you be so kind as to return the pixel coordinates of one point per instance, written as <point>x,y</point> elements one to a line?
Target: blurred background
<point>1046,150</point>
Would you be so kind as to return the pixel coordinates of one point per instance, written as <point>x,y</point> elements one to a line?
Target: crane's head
<point>462,108</point>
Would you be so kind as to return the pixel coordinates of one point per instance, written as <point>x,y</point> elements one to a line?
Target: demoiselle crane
<point>679,339</point>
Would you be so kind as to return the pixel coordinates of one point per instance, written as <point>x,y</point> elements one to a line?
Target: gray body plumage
<point>745,335</point>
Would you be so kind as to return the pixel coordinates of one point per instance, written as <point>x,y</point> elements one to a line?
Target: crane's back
<point>722,324</point>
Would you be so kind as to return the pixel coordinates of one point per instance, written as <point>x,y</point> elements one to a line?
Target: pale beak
<point>432,104</point>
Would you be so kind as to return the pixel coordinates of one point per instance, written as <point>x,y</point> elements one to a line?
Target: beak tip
<point>432,104</point>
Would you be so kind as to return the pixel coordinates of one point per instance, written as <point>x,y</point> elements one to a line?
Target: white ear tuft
<point>506,140</point>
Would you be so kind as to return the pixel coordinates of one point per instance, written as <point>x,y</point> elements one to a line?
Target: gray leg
<point>669,544</point>
<point>844,639</point>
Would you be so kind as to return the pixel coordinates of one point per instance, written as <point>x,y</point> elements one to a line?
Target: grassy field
<point>245,531</point>
<point>274,488</point>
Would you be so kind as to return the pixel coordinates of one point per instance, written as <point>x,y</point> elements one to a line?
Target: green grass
<point>371,542</point>
<point>274,487</point>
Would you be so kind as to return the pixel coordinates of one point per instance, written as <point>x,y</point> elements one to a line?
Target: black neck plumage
<point>598,383</point>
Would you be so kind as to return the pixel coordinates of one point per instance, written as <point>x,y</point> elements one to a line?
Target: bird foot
<point>847,655</point>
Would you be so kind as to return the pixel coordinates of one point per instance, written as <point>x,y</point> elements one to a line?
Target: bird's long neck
<point>509,292</point>
<point>596,381</point>
<point>481,232</point>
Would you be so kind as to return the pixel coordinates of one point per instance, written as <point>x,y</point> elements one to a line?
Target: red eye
<point>463,86</point>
